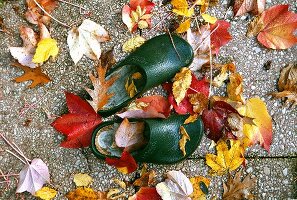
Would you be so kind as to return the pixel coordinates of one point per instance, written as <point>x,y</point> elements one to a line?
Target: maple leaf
<point>78,124</point>
<point>86,40</point>
<point>99,94</point>
<point>155,106</point>
<point>146,193</point>
<point>261,129</point>
<point>45,48</point>
<point>25,54</point>
<point>34,74</point>
<point>176,186</point>
<point>46,193</point>
<point>235,189</point>
<point>275,27</point>
<point>220,35</point>
<point>82,180</point>
<point>199,182</point>
<point>287,84</point>
<point>86,193</point>
<point>137,14</point>
<point>215,119</point>
<point>181,7</point>
<point>241,7</point>
<point>184,138</point>
<point>133,43</point>
<point>181,83</point>
<point>33,176</point>
<point>126,164</point>
<point>226,159</point>
<point>130,135</point>
<point>235,88</point>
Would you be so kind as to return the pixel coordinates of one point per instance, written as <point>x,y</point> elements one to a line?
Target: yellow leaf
<point>198,194</point>
<point>45,48</point>
<point>181,84</point>
<point>199,102</point>
<point>86,193</point>
<point>191,119</point>
<point>220,78</point>
<point>180,7</point>
<point>82,180</point>
<point>182,142</point>
<point>183,27</point>
<point>133,43</point>
<point>235,88</point>
<point>46,193</point>
<point>226,159</point>
<point>209,19</point>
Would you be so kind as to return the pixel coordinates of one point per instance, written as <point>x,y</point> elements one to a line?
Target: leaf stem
<point>62,23</point>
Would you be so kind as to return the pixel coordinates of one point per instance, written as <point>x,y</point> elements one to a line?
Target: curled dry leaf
<point>184,138</point>
<point>287,84</point>
<point>99,94</point>
<point>86,193</point>
<point>235,88</point>
<point>46,193</point>
<point>224,74</point>
<point>35,75</point>
<point>182,81</point>
<point>241,7</point>
<point>82,180</point>
<point>200,185</point>
<point>86,40</point>
<point>126,164</point>
<point>33,176</point>
<point>133,43</point>
<point>235,189</point>
<point>176,186</point>
<point>275,27</point>
<point>226,159</point>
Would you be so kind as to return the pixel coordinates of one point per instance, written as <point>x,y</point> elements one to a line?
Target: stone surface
<point>19,104</point>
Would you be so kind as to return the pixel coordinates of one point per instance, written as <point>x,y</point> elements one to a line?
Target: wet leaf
<point>99,94</point>
<point>184,138</point>
<point>235,88</point>
<point>126,164</point>
<point>184,26</point>
<point>226,159</point>
<point>46,193</point>
<point>133,43</point>
<point>33,176</point>
<point>78,124</point>
<point>237,189</point>
<point>82,180</point>
<point>182,81</point>
<point>198,193</point>
<point>31,74</point>
<point>241,7</point>
<point>86,193</point>
<point>275,27</point>
<point>45,48</point>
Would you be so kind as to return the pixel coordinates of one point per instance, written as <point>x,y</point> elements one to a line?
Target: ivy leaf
<point>275,27</point>
<point>126,164</point>
<point>34,74</point>
<point>78,124</point>
<point>227,159</point>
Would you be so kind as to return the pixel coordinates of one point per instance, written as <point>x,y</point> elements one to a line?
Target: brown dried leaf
<point>241,7</point>
<point>146,180</point>
<point>107,59</point>
<point>235,88</point>
<point>236,189</point>
<point>86,193</point>
<point>31,74</point>
<point>182,142</point>
<point>99,94</point>
<point>199,102</point>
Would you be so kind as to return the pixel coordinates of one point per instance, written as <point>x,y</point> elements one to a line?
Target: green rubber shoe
<point>162,137</point>
<point>153,63</point>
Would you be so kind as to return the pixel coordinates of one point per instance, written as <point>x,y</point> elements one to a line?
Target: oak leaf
<point>45,48</point>
<point>46,193</point>
<point>275,27</point>
<point>220,35</point>
<point>86,193</point>
<point>99,94</point>
<point>227,159</point>
<point>34,74</point>
<point>184,138</point>
<point>78,124</point>
<point>181,83</point>
<point>133,43</point>
<point>85,40</point>
<point>235,88</point>
<point>237,189</point>
<point>126,164</point>
<point>241,7</point>
<point>82,180</point>
<point>200,184</point>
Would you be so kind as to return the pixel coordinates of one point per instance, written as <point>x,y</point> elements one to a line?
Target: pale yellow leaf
<point>133,43</point>
<point>46,193</point>
<point>209,19</point>
<point>45,48</point>
<point>82,180</point>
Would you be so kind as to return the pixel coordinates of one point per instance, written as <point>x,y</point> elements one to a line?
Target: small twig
<point>16,156</point>
<point>50,15</point>
<point>173,44</point>
<point>8,175</point>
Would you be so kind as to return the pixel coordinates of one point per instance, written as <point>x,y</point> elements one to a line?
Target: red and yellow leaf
<point>126,164</point>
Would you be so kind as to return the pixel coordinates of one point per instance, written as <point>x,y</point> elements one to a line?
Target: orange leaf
<point>275,27</point>
<point>235,87</point>
<point>126,164</point>
<point>34,74</point>
<point>86,193</point>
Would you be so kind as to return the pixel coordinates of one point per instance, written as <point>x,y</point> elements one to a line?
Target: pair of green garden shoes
<point>153,63</point>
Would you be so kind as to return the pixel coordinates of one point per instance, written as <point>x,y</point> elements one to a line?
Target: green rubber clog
<point>162,137</point>
<point>157,60</point>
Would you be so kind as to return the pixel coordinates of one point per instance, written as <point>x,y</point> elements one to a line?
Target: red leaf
<point>143,4</point>
<point>126,164</point>
<point>220,35</point>
<point>158,103</point>
<point>215,119</point>
<point>78,124</point>
<point>201,86</point>
<point>147,193</point>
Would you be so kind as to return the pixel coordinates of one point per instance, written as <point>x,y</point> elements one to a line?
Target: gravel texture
<point>275,172</point>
